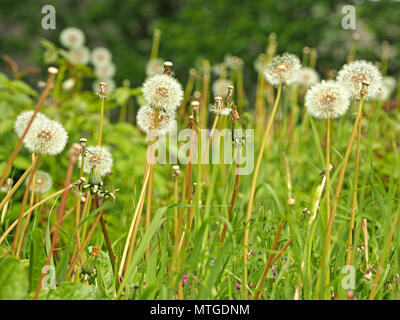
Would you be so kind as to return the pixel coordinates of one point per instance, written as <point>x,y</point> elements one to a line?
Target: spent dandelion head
<point>327,100</point>
<point>100,56</point>
<point>46,137</point>
<point>163,92</point>
<point>357,73</point>
<point>389,82</point>
<point>283,69</point>
<point>97,157</point>
<point>23,119</point>
<point>43,181</point>
<point>166,120</point>
<point>110,86</point>
<point>72,38</point>
<point>307,77</point>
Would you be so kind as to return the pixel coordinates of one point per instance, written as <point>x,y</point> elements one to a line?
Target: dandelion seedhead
<point>163,92</point>
<point>357,73</point>
<point>46,137</point>
<point>390,83</point>
<point>105,70</point>
<point>43,181</point>
<point>220,87</point>
<point>97,157</point>
<point>219,107</point>
<point>283,69</point>
<point>327,100</point>
<point>22,121</point>
<point>154,66</point>
<point>68,84</point>
<point>72,38</point>
<point>233,62</point>
<point>307,77</point>
<point>100,56</point>
<point>145,117</point>
<point>79,56</point>
<point>383,94</point>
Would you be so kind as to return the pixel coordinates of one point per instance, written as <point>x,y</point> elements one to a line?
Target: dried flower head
<point>97,157</point>
<point>154,66</point>
<point>283,69</point>
<point>22,121</point>
<point>72,38</point>
<point>145,120</point>
<point>43,181</point>
<point>105,70</point>
<point>79,55</point>
<point>307,77</point>
<point>163,92</point>
<point>328,99</point>
<point>46,137</point>
<point>100,56</point>
<point>354,74</point>
<point>220,87</point>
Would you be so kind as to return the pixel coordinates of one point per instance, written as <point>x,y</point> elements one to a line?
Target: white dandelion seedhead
<point>220,108</point>
<point>163,92</point>
<point>22,121</point>
<point>307,77</point>
<point>100,56</point>
<point>390,83</point>
<point>79,56</point>
<point>68,84</point>
<point>354,74</point>
<point>327,100</point>
<point>154,66</point>
<point>383,94</point>
<point>283,69</point>
<point>233,62</point>
<point>145,120</point>
<point>43,181</point>
<point>46,137</point>
<point>220,87</point>
<point>105,70</point>
<point>259,62</point>
<point>97,157</point>
<point>72,38</point>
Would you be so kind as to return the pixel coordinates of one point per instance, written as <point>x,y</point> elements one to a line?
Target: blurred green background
<point>196,29</point>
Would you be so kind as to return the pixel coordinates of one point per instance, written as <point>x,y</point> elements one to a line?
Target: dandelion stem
<point>354,199</point>
<point>21,212</point>
<point>101,120</point>
<point>254,183</point>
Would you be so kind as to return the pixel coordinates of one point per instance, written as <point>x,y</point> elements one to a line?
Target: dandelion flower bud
<point>22,121</point>
<point>283,69</point>
<point>97,157</point>
<point>79,56</point>
<point>72,38</point>
<point>327,100</point>
<point>354,74</point>
<point>163,92</point>
<point>220,87</point>
<point>100,56</point>
<point>105,71</point>
<point>47,137</point>
<point>145,117</point>
<point>43,181</point>
<point>307,77</point>
<point>154,66</point>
